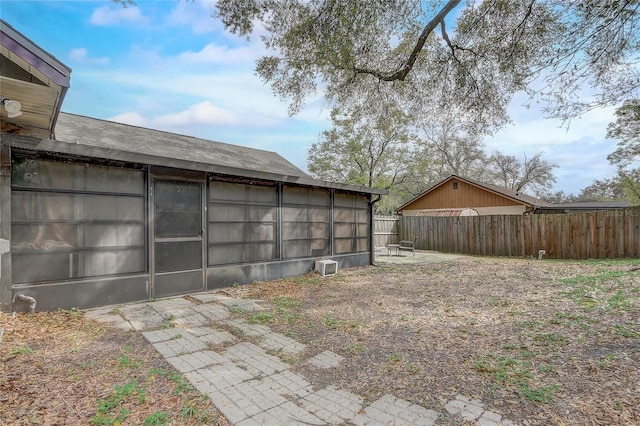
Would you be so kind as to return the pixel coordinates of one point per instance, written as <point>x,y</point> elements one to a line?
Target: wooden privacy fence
<point>599,235</point>
<point>385,230</point>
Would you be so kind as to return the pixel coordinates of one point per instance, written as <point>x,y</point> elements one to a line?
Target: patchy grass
<point>63,368</point>
<point>541,342</point>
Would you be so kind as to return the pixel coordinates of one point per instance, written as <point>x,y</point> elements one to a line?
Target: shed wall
<point>464,196</point>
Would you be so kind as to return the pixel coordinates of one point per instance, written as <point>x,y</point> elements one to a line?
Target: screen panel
<point>75,219</point>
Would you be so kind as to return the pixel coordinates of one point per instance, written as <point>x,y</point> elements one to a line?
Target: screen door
<point>177,237</point>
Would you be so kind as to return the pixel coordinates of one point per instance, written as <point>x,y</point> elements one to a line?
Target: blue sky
<point>169,65</point>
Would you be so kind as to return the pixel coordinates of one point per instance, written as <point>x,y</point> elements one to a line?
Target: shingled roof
<point>90,137</point>
<point>170,146</point>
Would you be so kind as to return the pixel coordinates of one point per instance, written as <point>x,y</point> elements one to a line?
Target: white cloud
<point>132,118</point>
<point>81,55</point>
<point>196,15</point>
<point>213,53</point>
<point>202,113</point>
<point>116,14</point>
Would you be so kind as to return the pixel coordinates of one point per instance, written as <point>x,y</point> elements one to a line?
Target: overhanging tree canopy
<point>426,56</point>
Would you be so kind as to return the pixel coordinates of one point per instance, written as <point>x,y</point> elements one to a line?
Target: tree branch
<point>402,72</point>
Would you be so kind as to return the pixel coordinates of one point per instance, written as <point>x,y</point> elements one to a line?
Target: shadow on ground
<point>419,257</point>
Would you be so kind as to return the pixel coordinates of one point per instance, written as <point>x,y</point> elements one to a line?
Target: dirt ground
<point>60,368</point>
<point>540,342</point>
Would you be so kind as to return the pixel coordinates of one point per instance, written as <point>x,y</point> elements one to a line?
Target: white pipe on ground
<point>32,301</point>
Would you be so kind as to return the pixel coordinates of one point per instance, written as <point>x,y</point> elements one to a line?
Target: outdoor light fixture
<point>12,107</point>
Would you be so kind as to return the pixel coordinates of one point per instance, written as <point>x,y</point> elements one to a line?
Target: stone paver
<point>250,385</point>
<point>472,410</point>
<point>142,317</point>
<point>217,377</point>
<point>100,313</point>
<point>162,334</point>
<point>284,414</point>
<point>192,319</point>
<point>332,405</point>
<point>489,418</point>
<point>212,312</point>
<point>288,384</point>
<point>465,407</point>
<point>389,410</point>
<point>248,399</point>
<point>255,359</point>
<point>211,336</point>
<point>280,343</point>
<point>117,321</point>
<point>242,304</point>
<point>196,360</point>
<point>173,304</point>
<point>250,330</point>
<point>209,297</point>
<point>326,359</point>
<point>178,342</point>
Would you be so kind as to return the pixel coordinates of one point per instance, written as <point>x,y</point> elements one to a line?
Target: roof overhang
<point>34,78</point>
<point>109,154</point>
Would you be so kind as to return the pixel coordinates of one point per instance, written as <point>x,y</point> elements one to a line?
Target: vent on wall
<point>327,267</point>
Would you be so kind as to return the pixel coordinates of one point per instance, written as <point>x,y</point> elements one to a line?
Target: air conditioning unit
<point>327,267</point>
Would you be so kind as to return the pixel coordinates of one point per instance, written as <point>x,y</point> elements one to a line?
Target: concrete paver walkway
<point>248,383</point>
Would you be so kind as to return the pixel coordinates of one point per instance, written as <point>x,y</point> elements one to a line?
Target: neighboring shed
<point>461,194</point>
<point>97,213</point>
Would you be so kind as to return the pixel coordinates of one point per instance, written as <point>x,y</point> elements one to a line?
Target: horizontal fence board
<point>603,234</point>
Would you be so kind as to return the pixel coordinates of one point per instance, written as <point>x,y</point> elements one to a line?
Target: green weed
<point>542,394</point>
<point>607,360</point>
<point>236,310</point>
<point>167,321</point>
<point>307,280</point>
<point>355,348</point>
<point>394,358</point>
<point>509,371</point>
<point>121,394</point>
<point>413,369</point>
<point>20,350</point>
<point>549,339</point>
<point>158,418</point>
<point>125,361</point>
<point>330,322</point>
<point>284,303</point>
<point>592,291</point>
<point>545,368</point>
<point>619,301</point>
<point>529,325</point>
<point>627,330</point>
<point>260,318</point>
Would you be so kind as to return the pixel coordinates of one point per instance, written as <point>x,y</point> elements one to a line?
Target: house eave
<point>80,150</point>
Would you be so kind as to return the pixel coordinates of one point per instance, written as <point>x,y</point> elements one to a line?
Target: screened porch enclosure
<point>95,212</point>
<point>92,227</point>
